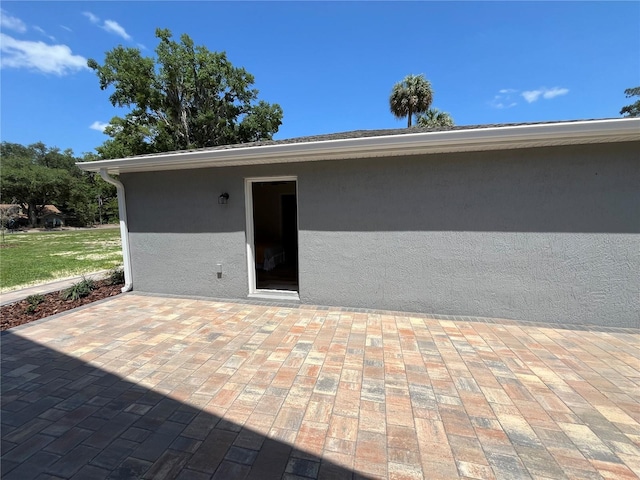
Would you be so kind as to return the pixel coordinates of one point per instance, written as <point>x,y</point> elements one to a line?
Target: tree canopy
<point>186,97</point>
<point>632,110</point>
<point>411,96</point>
<point>36,175</point>
<point>434,118</point>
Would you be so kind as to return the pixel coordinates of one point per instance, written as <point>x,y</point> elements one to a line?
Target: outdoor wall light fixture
<point>223,199</point>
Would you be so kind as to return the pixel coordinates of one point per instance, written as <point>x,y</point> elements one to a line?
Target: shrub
<point>78,290</point>
<point>34,301</point>
<point>115,276</point>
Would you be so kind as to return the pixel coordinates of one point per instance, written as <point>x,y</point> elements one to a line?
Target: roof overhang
<point>461,140</point>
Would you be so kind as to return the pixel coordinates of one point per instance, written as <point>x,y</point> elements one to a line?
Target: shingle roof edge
<point>465,138</point>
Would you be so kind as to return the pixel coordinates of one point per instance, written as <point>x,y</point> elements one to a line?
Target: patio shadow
<point>64,418</point>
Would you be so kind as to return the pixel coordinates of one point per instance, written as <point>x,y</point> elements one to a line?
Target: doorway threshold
<point>275,295</point>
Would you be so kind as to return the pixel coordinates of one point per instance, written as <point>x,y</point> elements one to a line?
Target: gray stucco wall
<point>546,234</point>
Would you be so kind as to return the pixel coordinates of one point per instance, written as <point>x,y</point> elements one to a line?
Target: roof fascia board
<point>479,139</point>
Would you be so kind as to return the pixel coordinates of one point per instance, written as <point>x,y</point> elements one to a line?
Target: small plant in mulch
<point>78,290</point>
<point>115,276</point>
<point>36,307</point>
<point>33,302</point>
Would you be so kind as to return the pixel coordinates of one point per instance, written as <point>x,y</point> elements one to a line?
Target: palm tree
<point>411,96</point>
<point>435,118</point>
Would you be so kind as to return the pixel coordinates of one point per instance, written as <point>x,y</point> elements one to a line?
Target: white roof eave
<point>477,139</point>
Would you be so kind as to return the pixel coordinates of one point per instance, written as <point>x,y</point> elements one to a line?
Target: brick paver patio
<point>148,387</point>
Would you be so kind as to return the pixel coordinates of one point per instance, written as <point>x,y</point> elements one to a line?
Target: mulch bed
<point>17,314</point>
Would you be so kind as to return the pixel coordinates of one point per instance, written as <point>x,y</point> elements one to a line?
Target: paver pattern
<point>149,387</point>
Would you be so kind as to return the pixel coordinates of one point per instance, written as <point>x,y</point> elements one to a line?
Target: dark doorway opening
<point>275,230</point>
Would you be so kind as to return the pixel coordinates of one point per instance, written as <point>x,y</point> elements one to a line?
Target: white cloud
<point>555,92</point>
<point>11,23</point>
<point>504,99</point>
<point>40,30</point>
<point>547,93</point>
<point>99,126</point>
<point>500,105</point>
<point>114,27</point>
<point>110,26</point>
<point>39,56</point>
<point>531,95</point>
<point>92,18</point>
<point>66,28</point>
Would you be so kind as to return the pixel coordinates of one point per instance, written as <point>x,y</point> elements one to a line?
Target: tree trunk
<point>409,118</point>
<point>31,213</point>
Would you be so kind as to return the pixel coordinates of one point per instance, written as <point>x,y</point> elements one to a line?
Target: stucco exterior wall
<point>546,234</point>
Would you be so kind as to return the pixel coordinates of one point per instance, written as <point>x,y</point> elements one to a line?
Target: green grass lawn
<point>33,258</point>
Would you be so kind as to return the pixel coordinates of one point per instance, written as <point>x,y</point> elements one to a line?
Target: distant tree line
<point>34,176</point>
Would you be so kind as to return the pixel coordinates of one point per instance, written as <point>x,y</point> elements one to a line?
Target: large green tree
<point>187,97</point>
<point>435,118</point>
<point>34,176</point>
<point>632,110</point>
<point>411,96</point>
<point>37,175</point>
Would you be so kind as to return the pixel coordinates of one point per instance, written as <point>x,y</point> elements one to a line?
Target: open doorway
<point>273,245</point>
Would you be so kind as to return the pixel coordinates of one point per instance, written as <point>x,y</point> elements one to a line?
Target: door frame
<point>250,240</point>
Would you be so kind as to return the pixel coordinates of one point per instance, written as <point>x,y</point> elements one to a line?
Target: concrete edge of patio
<point>456,318</point>
<point>19,295</point>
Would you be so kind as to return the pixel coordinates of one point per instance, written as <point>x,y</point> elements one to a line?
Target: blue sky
<point>330,65</point>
